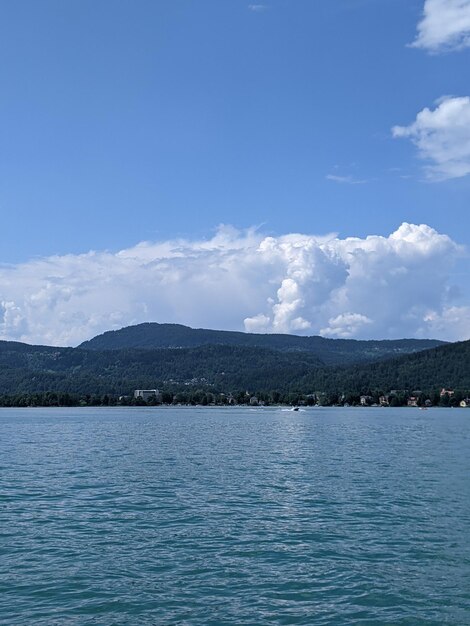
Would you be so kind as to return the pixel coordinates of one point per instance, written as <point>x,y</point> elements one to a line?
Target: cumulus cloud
<point>378,286</point>
<point>442,136</point>
<point>345,325</point>
<point>452,322</point>
<point>445,25</point>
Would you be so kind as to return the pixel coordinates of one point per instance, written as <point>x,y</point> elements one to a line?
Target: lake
<point>234,516</point>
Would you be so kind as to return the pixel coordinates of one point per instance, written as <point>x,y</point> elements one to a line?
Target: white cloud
<point>345,325</point>
<point>442,136</point>
<point>258,8</point>
<point>451,323</point>
<point>347,180</point>
<point>378,286</point>
<point>445,25</point>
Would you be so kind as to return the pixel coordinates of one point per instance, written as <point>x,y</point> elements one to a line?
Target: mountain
<point>222,368</point>
<point>330,351</point>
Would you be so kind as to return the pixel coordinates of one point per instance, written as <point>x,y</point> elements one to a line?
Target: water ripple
<point>204,517</point>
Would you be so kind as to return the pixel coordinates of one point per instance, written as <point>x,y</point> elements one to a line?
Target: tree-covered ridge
<point>120,371</point>
<point>329,351</point>
<point>223,369</point>
<point>442,367</point>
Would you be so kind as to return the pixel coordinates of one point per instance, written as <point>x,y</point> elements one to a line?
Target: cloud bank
<point>445,26</point>
<point>378,286</point>
<point>442,137</point>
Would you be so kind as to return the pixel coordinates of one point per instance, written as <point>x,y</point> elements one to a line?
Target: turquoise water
<point>192,516</point>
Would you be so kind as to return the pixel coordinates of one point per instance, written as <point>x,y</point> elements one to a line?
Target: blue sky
<point>125,121</point>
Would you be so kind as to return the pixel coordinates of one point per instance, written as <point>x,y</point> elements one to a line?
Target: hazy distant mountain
<point>329,351</point>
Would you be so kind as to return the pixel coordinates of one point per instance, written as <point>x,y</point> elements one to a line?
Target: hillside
<point>34,369</point>
<point>445,366</point>
<point>329,351</point>
<point>121,371</point>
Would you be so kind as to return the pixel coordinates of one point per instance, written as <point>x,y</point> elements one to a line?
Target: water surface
<point>207,516</point>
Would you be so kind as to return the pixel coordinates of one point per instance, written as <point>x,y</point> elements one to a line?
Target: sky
<point>295,166</point>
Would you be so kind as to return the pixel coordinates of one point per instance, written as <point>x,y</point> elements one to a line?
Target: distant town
<point>155,398</point>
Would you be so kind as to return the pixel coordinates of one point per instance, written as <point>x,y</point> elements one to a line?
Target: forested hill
<point>222,369</point>
<point>329,351</point>
<point>117,372</point>
<point>446,366</point>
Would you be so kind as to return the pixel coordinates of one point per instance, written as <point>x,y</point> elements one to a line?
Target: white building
<point>145,394</point>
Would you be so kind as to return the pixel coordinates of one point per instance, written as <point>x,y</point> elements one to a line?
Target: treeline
<point>206,398</point>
